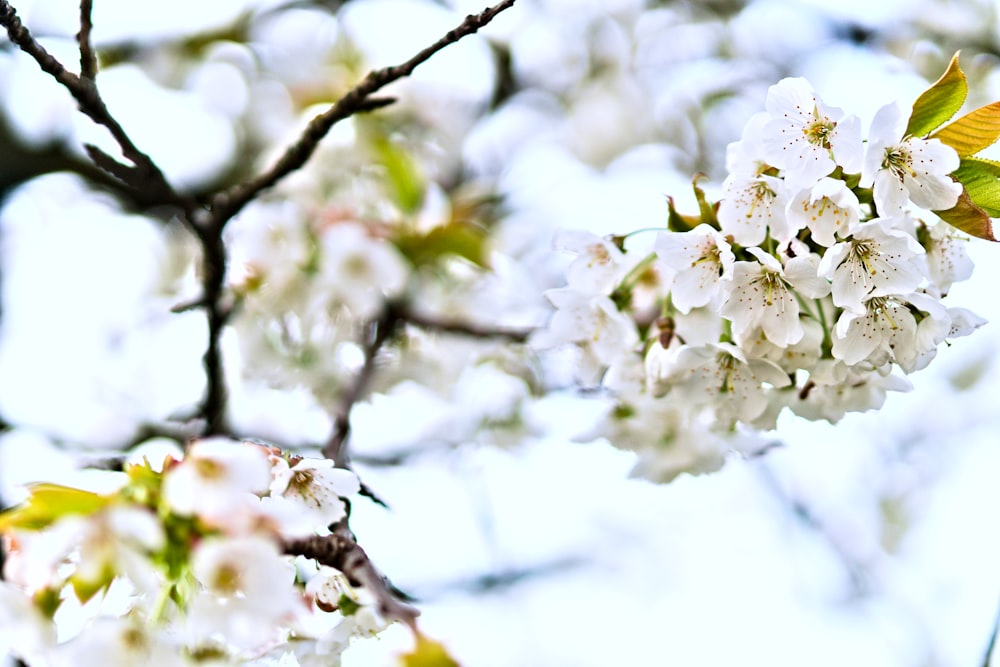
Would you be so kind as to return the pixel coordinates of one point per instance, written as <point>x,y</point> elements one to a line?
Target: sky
<point>869,542</point>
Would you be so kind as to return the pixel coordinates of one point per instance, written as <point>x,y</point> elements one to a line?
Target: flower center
<point>898,161</point>
<point>819,131</point>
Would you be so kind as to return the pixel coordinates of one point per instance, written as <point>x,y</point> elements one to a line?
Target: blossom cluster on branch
<point>189,561</point>
<point>819,274</point>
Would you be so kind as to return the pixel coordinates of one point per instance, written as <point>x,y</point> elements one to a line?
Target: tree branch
<point>144,175</point>
<point>988,657</point>
<point>227,204</point>
<point>342,553</point>
<point>88,59</point>
<point>464,328</point>
<point>378,332</point>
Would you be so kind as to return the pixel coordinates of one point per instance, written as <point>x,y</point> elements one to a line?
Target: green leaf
<point>969,218</point>
<point>347,605</point>
<point>459,239</point>
<point>404,178</point>
<point>678,222</point>
<point>48,503</point>
<point>981,178</point>
<point>85,589</point>
<point>705,210</point>
<point>428,653</point>
<point>972,132</point>
<point>940,102</point>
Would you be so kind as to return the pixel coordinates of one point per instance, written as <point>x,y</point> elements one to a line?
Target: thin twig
<point>378,332</point>
<point>988,657</point>
<point>858,572</point>
<point>342,553</point>
<point>144,175</point>
<point>88,59</point>
<point>227,204</point>
<point>465,328</point>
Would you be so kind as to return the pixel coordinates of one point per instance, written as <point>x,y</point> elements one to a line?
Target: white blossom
<point>885,331</point>
<point>962,322</point>
<point>316,486</point>
<point>948,260</point>
<point>118,642</point>
<point>875,261</point>
<point>216,478</point>
<point>805,138</point>
<point>594,323</point>
<point>762,296</point>
<point>751,206</point>
<point>745,158</point>
<point>24,630</point>
<point>720,374</point>
<point>828,209</point>
<point>701,260</point>
<point>360,271</point>
<point>903,168</point>
<point>598,266</point>
<point>834,389</point>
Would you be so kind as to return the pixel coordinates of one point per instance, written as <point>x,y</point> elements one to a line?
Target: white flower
<point>24,630</point>
<point>875,261</point>
<point>701,260</point>
<point>598,266</point>
<point>906,169</point>
<point>249,566</point>
<point>719,374</point>
<point>885,331</point>
<point>803,354</point>
<point>114,642</point>
<point>745,158</point>
<point>948,261</point>
<point>116,541</point>
<point>215,479</point>
<point>360,271</point>
<point>828,208</point>
<point>761,296</point>
<point>751,206</point>
<point>316,486</point>
<point>805,138</point>
<point>248,591</point>
<point>834,389</point>
<point>962,322</point>
<point>593,322</point>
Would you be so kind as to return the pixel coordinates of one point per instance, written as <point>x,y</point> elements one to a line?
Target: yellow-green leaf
<point>972,132</point>
<point>49,502</point>
<point>405,181</point>
<point>428,653</point>
<point>969,218</point>
<point>678,222</point>
<point>940,102</point>
<point>705,210</point>
<point>85,589</point>
<point>981,178</point>
<point>459,239</point>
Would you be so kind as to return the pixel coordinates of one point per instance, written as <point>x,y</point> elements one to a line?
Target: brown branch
<point>144,175</point>
<point>213,263</point>
<point>464,328</point>
<point>991,645</point>
<point>88,59</point>
<point>378,332</point>
<point>342,553</point>
<point>227,204</point>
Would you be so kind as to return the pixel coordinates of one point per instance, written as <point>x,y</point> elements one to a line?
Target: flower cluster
<point>818,276</point>
<point>183,564</point>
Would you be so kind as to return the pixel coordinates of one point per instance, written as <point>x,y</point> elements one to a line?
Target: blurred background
<point>868,542</point>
